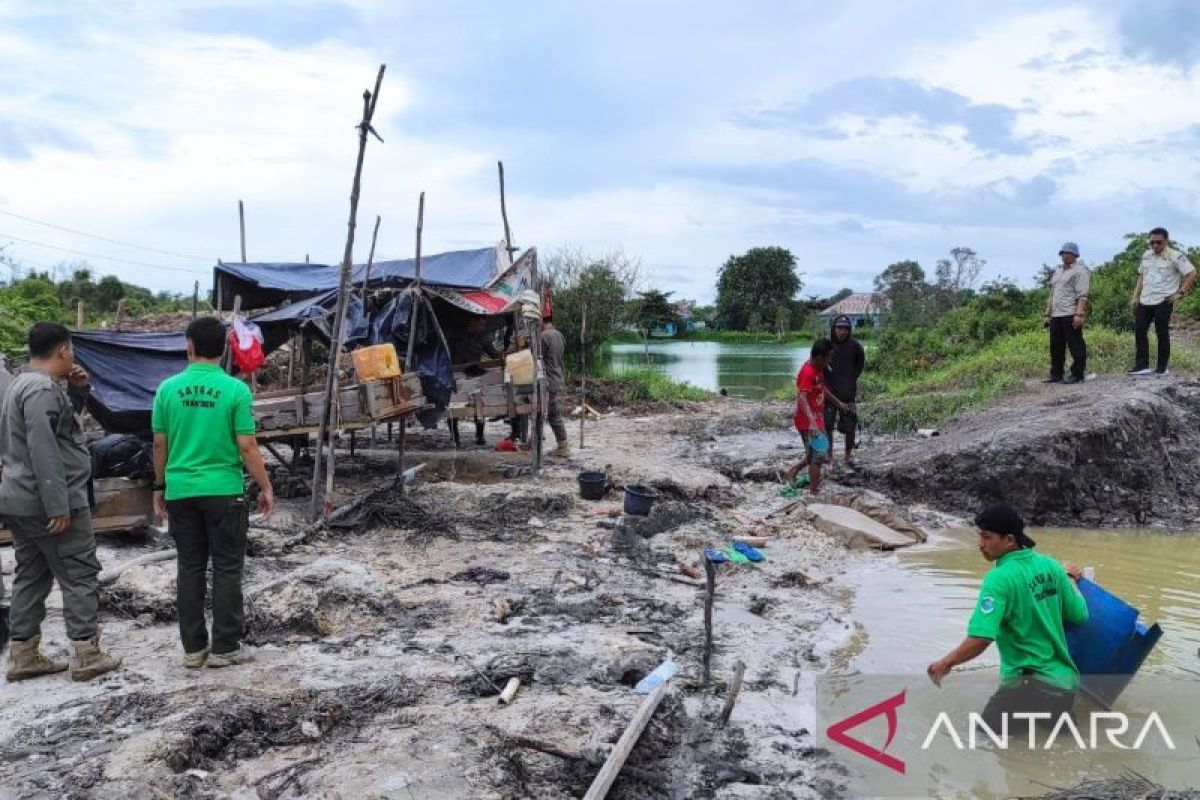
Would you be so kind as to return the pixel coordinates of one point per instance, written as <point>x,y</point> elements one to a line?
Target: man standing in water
<point>846,365</point>
<point>1065,312</point>
<point>1164,276</point>
<point>1023,602</point>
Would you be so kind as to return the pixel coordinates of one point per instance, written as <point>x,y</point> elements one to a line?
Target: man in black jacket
<point>845,366</point>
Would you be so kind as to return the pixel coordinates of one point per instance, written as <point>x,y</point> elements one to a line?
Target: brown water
<point>912,608</point>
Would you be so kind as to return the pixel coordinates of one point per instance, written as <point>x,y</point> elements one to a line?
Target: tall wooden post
<point>583,406</point>
<point>370,259</point>
<point>120,314</point>
<point>242,228</point>
<point>414,309</point>
<point>335,344</point>
<point>195,299</point>
<point>79,315</point>
<point>508,245</point>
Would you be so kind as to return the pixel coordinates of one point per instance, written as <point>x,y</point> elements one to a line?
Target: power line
<point>106,239</point>
<point>190,270</point>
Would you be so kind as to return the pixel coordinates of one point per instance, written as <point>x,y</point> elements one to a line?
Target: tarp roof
<point>264,285</point>
<point>126,369</point>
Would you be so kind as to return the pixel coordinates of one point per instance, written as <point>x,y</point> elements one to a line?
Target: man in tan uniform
<point>1065,312</point>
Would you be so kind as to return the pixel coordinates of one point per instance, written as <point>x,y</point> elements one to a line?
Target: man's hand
<point>1078,322</point>
<point>1074,571</point>
<point>1133,304</point>
<point>845,409</point>
<point>266,503</point>
<point>77,377</point>
<point>938,670</point>
<point>57,525</point>
<point>160,507</point>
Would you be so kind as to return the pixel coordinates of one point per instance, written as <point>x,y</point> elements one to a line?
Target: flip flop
<point>715,556</point>
<point>735,557</point>
<point>749,552</point>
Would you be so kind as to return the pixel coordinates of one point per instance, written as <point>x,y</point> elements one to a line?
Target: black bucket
<point>639,499</point>
<point>592,485</point>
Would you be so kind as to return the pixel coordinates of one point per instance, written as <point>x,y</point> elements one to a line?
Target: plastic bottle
<point>661,674</point>
<point>1089,574</point>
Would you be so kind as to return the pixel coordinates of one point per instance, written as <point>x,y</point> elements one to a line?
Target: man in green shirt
<point>203,435</point>
<point>1024,600</point>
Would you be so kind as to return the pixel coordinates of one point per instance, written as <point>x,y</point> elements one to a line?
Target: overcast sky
<point>855,134</point>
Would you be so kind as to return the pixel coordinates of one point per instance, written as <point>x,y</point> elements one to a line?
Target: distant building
<point>863,309</point>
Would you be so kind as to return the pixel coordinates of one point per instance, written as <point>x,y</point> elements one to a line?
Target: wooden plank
<point>616,759</point>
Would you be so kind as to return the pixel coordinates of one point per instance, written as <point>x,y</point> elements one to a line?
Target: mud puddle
<point>912,607</point>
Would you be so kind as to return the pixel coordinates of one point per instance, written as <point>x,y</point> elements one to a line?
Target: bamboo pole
<point>508,245</point>
<point>120,314</point>
<point>242,228</point>
<point>414,309</point>
<point>79,315</point>
<point>624,746</point>
<point>370,259</point>
<point>335,344</point>
<point>583,371</point>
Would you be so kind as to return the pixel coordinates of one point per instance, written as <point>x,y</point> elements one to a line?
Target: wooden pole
<point>120,313</point>
<point>195,299</point>
<point>539,389</point>
<point>79,315</point>
<point>624,746</point>
<point>414,310</point>
<point>370,259</point>
<point>227,356</point>
<point>242,228</point>
<point>734,689</point>
<point>508,245</point>
<point>335,344</point>
<point>710,590</point>
<point>583,372</point>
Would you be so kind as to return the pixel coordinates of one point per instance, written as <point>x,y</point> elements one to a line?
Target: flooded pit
<point>912,607</point>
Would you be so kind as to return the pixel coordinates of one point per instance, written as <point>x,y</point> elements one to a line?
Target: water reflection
<point>745,370</point>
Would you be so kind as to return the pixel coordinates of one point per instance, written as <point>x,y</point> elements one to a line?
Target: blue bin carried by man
<point>1110,647</point>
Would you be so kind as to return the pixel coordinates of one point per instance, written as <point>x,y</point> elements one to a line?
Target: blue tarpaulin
<point>265,285</point>
<point>125,370</point>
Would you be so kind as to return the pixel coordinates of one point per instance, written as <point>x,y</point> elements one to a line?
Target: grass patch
<point>929,398</point>
<point>644,384</point>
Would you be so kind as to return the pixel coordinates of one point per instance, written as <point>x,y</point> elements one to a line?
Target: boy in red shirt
<point>811,396</point>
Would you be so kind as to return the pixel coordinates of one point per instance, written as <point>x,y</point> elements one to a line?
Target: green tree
<point>653,309</point>
<point>754,285</point>
<point>908,295</point>
<point>955,276</point>
<point>22,303</point>
<point>109,292</point>
<point>600,282</point>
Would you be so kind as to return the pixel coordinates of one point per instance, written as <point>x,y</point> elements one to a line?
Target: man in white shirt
<point>1164,276</point>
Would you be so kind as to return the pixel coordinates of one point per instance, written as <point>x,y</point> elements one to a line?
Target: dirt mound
<point>1112,452</point>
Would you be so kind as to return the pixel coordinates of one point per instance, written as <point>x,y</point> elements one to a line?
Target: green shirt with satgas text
<point>1024,600</point>
<point>202,411</point>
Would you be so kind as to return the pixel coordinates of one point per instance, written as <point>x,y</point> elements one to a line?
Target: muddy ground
<point>1114,452</point>
<point>380,651</point>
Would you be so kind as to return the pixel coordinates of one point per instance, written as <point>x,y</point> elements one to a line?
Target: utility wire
<point>106,239</point>
<point>191,270</point>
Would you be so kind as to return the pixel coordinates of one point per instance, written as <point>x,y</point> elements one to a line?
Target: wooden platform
<point>487,396</point>
<point>122,504</point>
<point>287,413</point>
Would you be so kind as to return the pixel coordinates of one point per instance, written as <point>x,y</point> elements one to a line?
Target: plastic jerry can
<point>519,367</point>
<point>376,362</point>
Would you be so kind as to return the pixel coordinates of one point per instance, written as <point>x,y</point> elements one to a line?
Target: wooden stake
<point>79,315</point>
<point>120,313</point>
<point>710,590</point>
<point>227,356</point>
<point>335,343</point>
<point>242,228</point>
<point>583,371</point>
<point>414,310</point>
<point>734,689</point>
<point>508,245</point>
<point>370,259</point>
<point>195,299</point>
<point>616,759</point>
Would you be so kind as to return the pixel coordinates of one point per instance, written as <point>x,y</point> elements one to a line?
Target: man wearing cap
<point>1065,312</point>
<point>1023,602</point>
<point>1164,276</point>
<point>846,365</point>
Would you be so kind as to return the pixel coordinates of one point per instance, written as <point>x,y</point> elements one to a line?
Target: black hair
<point>46,337</point>
<point>1160,232</point>
<point>207,335</point>
<point>822,348</point>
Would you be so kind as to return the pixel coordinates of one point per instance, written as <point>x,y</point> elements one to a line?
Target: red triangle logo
<point>838,732</point>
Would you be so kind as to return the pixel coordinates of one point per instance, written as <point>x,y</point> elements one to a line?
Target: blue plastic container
<point>1110,647</point>
<point>639,500</point>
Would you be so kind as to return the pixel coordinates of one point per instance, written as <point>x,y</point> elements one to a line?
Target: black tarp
<point>266,285</point>
<point>125,370</point>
